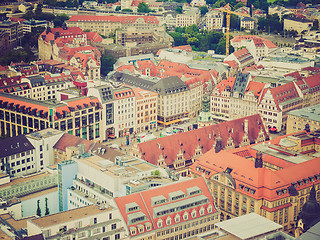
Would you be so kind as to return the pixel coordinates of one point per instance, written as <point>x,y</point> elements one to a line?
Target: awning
<point>173,121</point>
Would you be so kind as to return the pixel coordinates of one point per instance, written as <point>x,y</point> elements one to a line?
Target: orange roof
<point>139,93</point>
<point>68,140</point>
<point>255,87</point>
<point>184,47</point>
<point>146,206</point>
<point>224,83</point>
<point>267,42</point>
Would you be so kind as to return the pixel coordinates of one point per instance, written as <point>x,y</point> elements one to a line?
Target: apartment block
<point>272,179</point>
<point>188,18</point>
<point>31,24</point>
<point>146,110</point>
<point>297,24</point>
<point>78,116</point>
<point>214,20</point>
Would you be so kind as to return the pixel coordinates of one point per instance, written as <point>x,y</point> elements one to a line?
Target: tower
<point>205,118</point>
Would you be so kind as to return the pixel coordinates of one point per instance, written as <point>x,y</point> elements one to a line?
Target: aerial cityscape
<point>160,119</point>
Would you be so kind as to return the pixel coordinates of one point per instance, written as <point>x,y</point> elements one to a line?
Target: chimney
<point>82,148</point>
<point>258,160</point>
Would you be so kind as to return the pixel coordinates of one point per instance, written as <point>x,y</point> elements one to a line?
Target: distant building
<point>188,18</point>
<point>214,20</point>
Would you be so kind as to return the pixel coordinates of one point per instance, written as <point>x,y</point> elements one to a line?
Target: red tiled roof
<point>255,87</point>
<point>267,42</point>
<point>131,68</point>
<point>122,19</point>
<point>313,82</point>
<point>232,64</point>
<point>93,37</point>
<point>224,83</point>
<point>205,137</point>
<point>70,31</point>
<point>144,201</point>
<point>10,81</point>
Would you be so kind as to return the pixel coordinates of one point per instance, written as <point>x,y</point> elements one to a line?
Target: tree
<point>203,10</point>
<point>127,10</point>
<point>47,209</point>
<point>118,8</point>
<point>315,24</point>
<point>179,10</point>
<point>107,62</point>
<point>178,38</point>
<point>143,7</point>
<point>38,208</point>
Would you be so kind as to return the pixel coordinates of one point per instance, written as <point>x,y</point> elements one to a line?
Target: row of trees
<point>47,211</point>
<point>23,54</point>
<point>200,40</point>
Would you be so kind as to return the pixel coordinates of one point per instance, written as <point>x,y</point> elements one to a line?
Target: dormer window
<point>168,221</point>
<point>185,216</point>
<point>201,211</point>
<point>209,209</point>
<point>177,218</point>
<point>193,213</point>
<point>159,223</point>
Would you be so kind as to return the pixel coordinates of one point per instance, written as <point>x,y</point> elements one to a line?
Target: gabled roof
<point>145,204</point>
<point>170,85</point>
<point>205,137</point>
<point>221,86</point>
<point>93,37</point>
<point>313,82</point>
<point>295,75</point>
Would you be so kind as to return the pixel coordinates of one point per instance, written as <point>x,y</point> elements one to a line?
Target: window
<point>117,236</point>
<point>113,226</point>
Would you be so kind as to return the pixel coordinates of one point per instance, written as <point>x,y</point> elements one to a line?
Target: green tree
<point>127,10</point>
<point>315,24</point>
<point>107,62</point>
<point>239,5</point>
<point>47,209</point>
<point>203,10</point>
<point>178,38</point>
<point>143,7</point>
<point>118,8</point>
<point>38,208</point>
<point>179,10</point>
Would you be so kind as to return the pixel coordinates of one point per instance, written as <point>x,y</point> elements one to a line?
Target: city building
<point>243,58</point>
<point>87,63</point>
<point>15,31</point>
<point>205,116</point>
<point>78,116</point>
<point>179,210</point>
<point>146,110</point>
<point>179,151</point>
<point>105,94</point>
<point>107,24</point>
<point>275,103</point>
<point>214,20</point>
<point>99,180</point>
<point>246,23</point>
<point>243,41</point>
<point>94,221</point>
<point>297,24</point>
<point>272,179</point>
<point>124,111</point>
<point>188,18</point>
<point>28,25</point>
<point>298,119</point>
<point>4,41</point>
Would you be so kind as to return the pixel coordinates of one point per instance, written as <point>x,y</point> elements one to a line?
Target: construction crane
<point>227,10</point>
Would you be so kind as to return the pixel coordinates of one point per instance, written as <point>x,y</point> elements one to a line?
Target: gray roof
<point>106,93</point>
<point>240,83</point>
<point>311,113</point>
<point>248,226</point>
<point>13,145</point>
<point>170,85</point>
<point>132,80</point>
<point>37,80</point>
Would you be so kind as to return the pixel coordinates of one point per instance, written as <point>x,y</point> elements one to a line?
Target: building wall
<point>29,206</point>
<point>297,123</point>
<point>298,26</point>
<point>146,111</point>
<point>28,186</point>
